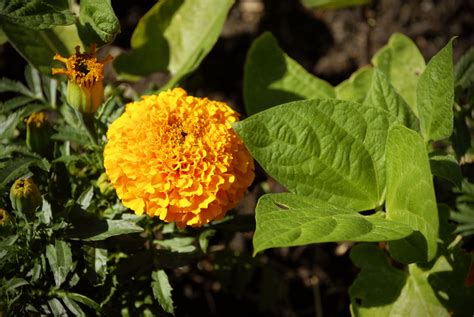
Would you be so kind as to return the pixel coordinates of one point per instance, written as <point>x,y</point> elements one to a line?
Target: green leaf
<point>96,230</point>
<point>14,103</point>
<point>84,300</point>
<point>333,4</point>
<point>162,290</point>
<point>435,96</point>
<point>56,307</point>
<point>174,36</point>
<point>271,78</point>
<point>178,244</point>
<point>290,220</point>
<point>38,47</point>
<point>434,290</point>
<point>356,87</point>
<point>446,166</point>
<point>385,291</point>
<point>382,95</point>
<point>34,14</point>
<point>75,135</point>
<point>410,195</point>
<point>73,307</point>
<point>96,264</point>
<point>8,125</point>
<point>8,85</point>
<point>97,22</point>
<point>60,260</point>
<point>331,150</point>
<point>403,63</point>
<point>14,169</point>
<point>464,70</point>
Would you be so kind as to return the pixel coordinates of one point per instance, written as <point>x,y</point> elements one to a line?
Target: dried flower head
<point>4,217</point>
<point>176,156</point>
<point>85,74</point>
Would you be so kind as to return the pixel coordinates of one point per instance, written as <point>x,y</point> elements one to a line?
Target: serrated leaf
<point>96,230</point>
<point>174,36</point>
<point>410,195</point>
<point>14,103</point>
<point>403,64</point>
<point>38,47</point>
<point>8,85</point>
<point>271,77</point>
<point>85,198</point>
<point>435,96</point>
<point>356,87</point>
<point>331,150</point>
<point>60,260</point>
<point>33,79</point>
<point>14,169</point>
<point>97,22</point>
<point>162,290</point>
<point>446,166</point>
<point>290,220</point>
<point>382,95</point>
<point>333,4</point>
<point>34,14</point>
<point>75,135</point>
<point>8,125</point>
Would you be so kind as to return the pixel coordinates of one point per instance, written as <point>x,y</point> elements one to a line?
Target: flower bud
<point>25,196</point>
<point>38,134</point>
<point>105,187</point>
<point>4,217</point>
<point>85,88</point>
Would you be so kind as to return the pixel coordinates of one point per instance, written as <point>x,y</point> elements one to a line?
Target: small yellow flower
<point>176,157</point>
<point>85,89</point>
<point>4,217</point>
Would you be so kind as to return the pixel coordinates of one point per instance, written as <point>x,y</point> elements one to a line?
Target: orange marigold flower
<point>85,89</point>
<point>176,156</point>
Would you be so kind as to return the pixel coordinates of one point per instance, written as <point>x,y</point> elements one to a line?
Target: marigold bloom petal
<point>176,157</point>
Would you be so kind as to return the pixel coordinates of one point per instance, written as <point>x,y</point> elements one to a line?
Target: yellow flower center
<point>82,68</point>
<point>37,120</point>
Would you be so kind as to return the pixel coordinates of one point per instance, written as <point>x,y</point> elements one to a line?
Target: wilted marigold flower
<point>85,73</point>
<point>176,157</point>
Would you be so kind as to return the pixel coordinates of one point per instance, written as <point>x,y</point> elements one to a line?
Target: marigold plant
<point>176,156</point>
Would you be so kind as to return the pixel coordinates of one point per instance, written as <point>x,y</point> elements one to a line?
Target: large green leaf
<point>39,46</point>
<point>403,63</point>
<point>34,14</point>
<point>410,195</point>
<point>271,78</point>
<point>174,36</point>
<point>356,87</point>
<point>382,95</point>
<point>289,220</point>
<point>435,96</point>
<point>162,290</point>
<point>97,22</point>
<point>60,260</point>
<point>333,4</point>
<point>434,290</point>
<point>328,149</point>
